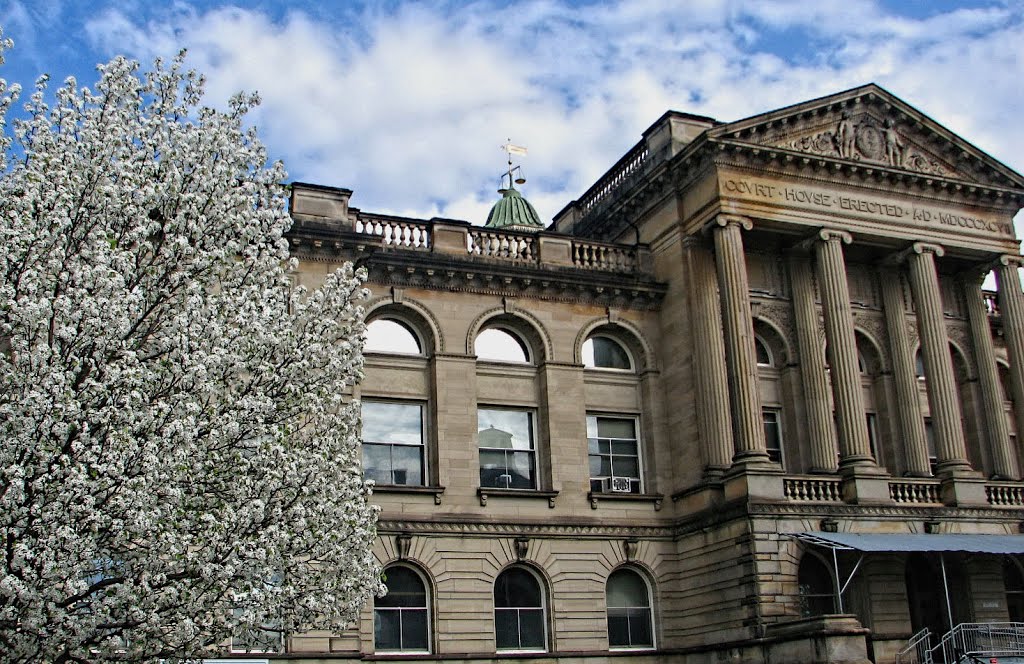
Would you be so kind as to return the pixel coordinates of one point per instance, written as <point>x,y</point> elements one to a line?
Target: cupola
<point>513,212</point>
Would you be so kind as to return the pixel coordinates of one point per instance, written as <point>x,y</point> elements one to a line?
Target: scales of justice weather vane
<point>513,171</point>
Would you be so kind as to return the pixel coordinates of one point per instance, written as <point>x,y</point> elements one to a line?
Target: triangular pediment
<point>870,126</point>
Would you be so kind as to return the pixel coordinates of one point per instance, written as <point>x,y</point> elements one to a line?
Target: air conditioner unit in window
<point>616,484</point>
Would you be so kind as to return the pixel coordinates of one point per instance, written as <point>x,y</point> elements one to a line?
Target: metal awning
<point>908,543</point>
<point>913,543</point>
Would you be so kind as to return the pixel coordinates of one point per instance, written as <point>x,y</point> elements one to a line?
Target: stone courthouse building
<point>745,400</point>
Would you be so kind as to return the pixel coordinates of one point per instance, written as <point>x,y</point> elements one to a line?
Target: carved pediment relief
<point>864,137</point>
<point>872,127</point>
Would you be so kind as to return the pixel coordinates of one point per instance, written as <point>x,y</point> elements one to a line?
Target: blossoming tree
<point>178,456</point>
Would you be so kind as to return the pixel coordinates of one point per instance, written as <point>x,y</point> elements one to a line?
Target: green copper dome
<point>513,212</point>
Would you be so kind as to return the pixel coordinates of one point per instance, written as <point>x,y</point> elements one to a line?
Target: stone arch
<point>773,336</point>
<point>870,351</point>
<point>413,313</point>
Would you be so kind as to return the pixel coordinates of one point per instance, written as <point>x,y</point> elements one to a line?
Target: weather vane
<point>518,150</point>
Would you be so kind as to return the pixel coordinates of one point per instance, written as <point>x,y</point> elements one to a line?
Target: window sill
<point>596,496</point>
<point>483,493</point>
<point>436,491</point>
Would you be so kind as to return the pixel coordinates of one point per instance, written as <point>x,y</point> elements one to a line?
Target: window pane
<point>385,335</point>
<point>626,588</point>
<point>505,428</point>
<point>387,629</point>
<point>605,353</point>
<point>618,628</point>
<point>506,629</point>
<point>516,588</point>
<point>408,464</point>
<point>385,422</point>
<point>501,345</point>
<point>615,427</point>
<point>531,628</point>
<point>764,358</point>
<point>405,588</point>
<point>414,629</point>
<point>377,463</point>
<point>640,628</point>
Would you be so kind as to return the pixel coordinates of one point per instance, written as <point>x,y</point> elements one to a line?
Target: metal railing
<point>967,642</point>
<point>917,650</point>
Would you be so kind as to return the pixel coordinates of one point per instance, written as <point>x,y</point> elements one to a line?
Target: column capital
<point>724,220</point>
<point>833,234</point>
<point>926,248</point>
<point>1010,259</point>
<point>918,248</point>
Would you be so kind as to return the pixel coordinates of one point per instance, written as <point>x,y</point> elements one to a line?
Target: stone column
<point>908,407</point>
<point>841,344</point>
<point>938,364</point>
<point>741,360</point>
<point>709,359</point>
<point>1011,307</point>
<point>820,429</point>
<point>1004,463</point>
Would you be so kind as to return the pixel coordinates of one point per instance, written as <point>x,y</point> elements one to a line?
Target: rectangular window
<point>614,454</point>
<point>507,449</point>
<point>872,421</point>
<point>393,451</point>
<point>929,439</point>
<point>772,433</point>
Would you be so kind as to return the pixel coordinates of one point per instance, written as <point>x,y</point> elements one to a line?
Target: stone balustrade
<point>813,489</point>
<point>502,245</point>
<point>1005,494</point>
<point>915,491</point>
<point>395,232</point>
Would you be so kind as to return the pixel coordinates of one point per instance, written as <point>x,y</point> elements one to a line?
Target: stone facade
<point>809,348</point>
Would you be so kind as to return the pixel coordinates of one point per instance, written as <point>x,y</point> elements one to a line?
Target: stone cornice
<point>673,529</point>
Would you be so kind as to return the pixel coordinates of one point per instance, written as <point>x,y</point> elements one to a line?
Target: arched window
<point>519,620</point>
<point>817,592</point>
<point>401,617</point>
<point>764,356</point>
<point>629,611</point>
<point>501,345</point>
<point>603,352</point>
<point>389,335</point>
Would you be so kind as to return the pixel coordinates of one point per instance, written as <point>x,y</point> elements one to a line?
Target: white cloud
<point>408,108</point>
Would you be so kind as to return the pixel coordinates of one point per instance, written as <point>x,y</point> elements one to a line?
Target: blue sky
<point>408,103</point>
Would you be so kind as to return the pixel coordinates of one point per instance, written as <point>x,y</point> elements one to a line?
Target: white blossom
<point>179,456</point>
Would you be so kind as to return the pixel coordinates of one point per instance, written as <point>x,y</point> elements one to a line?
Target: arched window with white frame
<point>387,334</point>
<point>520,611</point>
<point>401,618</point>
<point>628,602</point>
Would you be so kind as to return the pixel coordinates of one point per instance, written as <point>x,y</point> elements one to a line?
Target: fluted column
<point>709,360</point>
<point>854,449</point>
<point>1011,306</point>
<point>908,406</point>
<point>1004,463</point>
<point>812,369</point>
<point>741,360</point>
<point>938,363</point>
